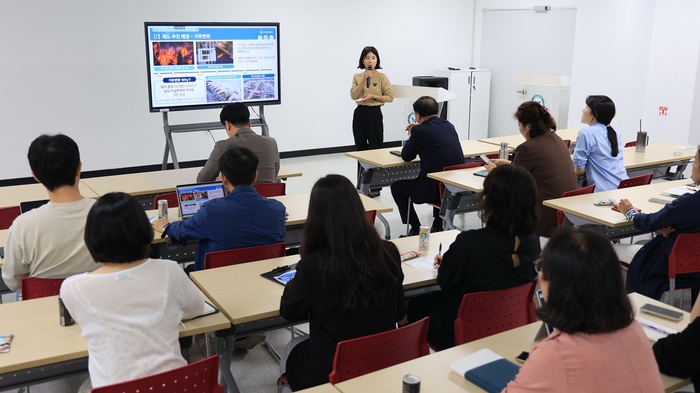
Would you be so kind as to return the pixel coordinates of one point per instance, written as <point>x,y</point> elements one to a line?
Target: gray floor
<point>256,370</point>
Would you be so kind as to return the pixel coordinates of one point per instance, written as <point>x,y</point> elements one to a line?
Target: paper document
<point>686,148</point>
<point>208,309</point>
<point>680,190</point>
<point>424,264</point>
<point>654,330</point>
<point>476,359</point>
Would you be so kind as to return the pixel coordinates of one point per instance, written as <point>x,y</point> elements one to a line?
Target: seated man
<point>47,242</point>
<point>437,143</point>
<point>241,219</point>
<point>236,118</point>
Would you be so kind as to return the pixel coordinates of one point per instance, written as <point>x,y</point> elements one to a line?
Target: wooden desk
<point>658,158</point>
<point>380,168</point>
<point>156,182</point>
<point>14,195</point>
<point>252,302</point>
<point>325,388</point>
<point>297,206</point>
<point>580,209</point>
<point>436,376</point>
<point>41,341</point>
<point>515,140</point>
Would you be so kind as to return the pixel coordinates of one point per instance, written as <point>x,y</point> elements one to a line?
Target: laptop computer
<point>30,205</point>
<point>191,197</point>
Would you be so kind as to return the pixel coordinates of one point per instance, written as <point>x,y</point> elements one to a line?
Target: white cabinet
<point>469,112</point>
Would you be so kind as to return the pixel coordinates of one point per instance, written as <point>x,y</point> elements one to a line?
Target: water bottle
<point>503,151</point>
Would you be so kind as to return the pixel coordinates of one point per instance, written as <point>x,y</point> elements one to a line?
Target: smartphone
<point>522,357</point>
<point>662,312</point>
<point>484,159</point>
<point>396,152</point>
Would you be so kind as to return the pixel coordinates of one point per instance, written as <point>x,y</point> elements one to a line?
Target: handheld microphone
<point>368,79</point>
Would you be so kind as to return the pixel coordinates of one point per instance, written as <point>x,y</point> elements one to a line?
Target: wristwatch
<point>162,235</point>
<point>375,98</point>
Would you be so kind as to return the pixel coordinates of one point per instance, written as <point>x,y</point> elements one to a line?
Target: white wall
<point>78,67</point>
<point>641,53</point>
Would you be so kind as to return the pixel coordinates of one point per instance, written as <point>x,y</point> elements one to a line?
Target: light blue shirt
<point>593,152</point>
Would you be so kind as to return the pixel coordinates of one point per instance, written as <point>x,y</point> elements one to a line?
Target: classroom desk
<point>14,195</point>
<point>43,350</point>
<point>658,158</point>
<point>252,302</point>
<point>461,187</point>
<point>156,182</point>
<point>515,140</point>
<point>297,206</point>
<point>325,388</point>
<point>436,375</point>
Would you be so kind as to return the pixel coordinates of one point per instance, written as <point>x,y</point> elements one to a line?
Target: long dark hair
<point>603,109</point>
<point>586,293</point>
<point>356,267</point>
<point>537,116</point>
<point>509,200</point>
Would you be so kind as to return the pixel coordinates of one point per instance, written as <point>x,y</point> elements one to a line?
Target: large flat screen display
<point>207,65</point>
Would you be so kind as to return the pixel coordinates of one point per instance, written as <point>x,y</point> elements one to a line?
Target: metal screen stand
<point>169,130</point>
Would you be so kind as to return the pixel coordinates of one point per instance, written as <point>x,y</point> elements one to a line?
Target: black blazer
<point>437,143</point>
<point>304,298</point>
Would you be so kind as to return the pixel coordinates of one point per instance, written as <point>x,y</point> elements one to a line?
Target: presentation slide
<point>207,65</point>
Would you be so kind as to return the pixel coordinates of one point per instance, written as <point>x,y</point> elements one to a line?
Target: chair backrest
<point>242,255</point>
<point>171,197</point>
<point>578,191</point>
<point>636,181</point>
<point>34,288</point>
<point>567,142</point>
<point>459,166</point>
<point>7,215</point>
<point>631,144</point>
<point>366,354</point>
<point>483,314</point>
<point>685,255</point>
<point>199,377</point>
<point>371,215</point>
<point>271,189</point>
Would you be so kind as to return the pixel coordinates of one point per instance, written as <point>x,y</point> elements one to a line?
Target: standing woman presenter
<point>370,90</point>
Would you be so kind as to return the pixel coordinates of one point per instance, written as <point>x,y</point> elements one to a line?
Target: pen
<point>440,249</point>
<point>654,328</point>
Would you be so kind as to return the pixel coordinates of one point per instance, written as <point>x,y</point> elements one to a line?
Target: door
<point>521,40</point>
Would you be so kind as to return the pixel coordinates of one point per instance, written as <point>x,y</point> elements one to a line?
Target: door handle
<point>523,91</point>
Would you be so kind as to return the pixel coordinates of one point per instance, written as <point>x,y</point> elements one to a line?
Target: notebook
<point>191,197</point>
<point>681,190</point>
<point>208,310</point>
<point>486,369</point>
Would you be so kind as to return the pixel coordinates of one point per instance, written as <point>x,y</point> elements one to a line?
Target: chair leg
<point>680,305</point>
<point>408,218</point>
<point>671,288</point>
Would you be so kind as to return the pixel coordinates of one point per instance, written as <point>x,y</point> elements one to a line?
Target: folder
<point>486,369</point>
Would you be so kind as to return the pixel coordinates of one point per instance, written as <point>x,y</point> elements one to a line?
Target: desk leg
<point>365,180</point>
<point>224,347</point>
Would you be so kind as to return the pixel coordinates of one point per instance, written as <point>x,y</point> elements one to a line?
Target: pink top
<point>621,361</point>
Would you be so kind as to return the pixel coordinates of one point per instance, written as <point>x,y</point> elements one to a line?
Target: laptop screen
<point>192,196</point>
<point>30,205</point>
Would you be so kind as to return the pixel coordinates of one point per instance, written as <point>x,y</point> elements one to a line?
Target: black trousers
<point>402,190</point>
<point>368,127</point>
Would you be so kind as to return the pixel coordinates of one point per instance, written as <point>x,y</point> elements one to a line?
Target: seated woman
<point>596,346</point>
<point>648,271</point>
<point>598,151</point>
<point>678,354</point>
<point>130,308</point>
<point>546,157</point>
<point>348,283</point>
<point>498,256</point>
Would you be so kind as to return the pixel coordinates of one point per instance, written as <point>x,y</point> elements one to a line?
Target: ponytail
<point>612,137</point>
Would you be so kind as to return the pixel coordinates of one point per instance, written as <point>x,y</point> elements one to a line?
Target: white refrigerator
<point>469,112</point>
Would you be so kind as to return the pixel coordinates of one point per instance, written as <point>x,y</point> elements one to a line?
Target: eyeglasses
<point>538,265</point>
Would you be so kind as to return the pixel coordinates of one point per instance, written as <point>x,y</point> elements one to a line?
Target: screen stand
<point>169,130</point>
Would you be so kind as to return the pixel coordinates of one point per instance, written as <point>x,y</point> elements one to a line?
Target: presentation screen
<point>207,65</point>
